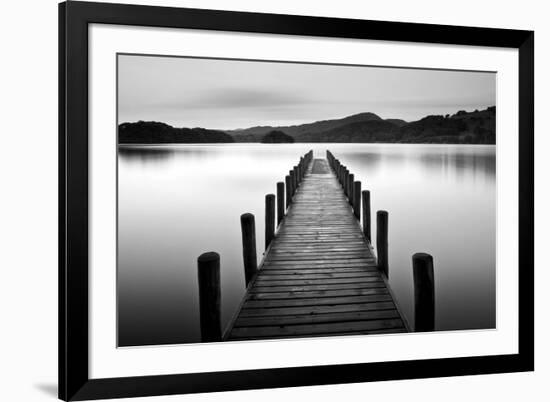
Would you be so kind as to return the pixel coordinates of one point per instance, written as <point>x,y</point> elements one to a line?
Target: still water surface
<point>176,202</point>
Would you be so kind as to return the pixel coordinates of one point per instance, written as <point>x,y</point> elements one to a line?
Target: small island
<point>277,137</point>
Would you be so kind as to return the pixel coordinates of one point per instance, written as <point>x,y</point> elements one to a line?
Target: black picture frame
<point>74,18</point>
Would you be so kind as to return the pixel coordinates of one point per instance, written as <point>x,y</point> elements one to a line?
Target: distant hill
<point>361,131</point>
<point>151,132</point>
<point>276,137</point>
<point>397,122</point>
<point>477,127</point>
<point>255,134</point>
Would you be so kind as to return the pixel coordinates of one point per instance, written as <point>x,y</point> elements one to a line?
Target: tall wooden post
<point>248,228</point>
<point>424,293</point>
<point>382,241</point>
<point>351,178</point>
<point>269,219</point>
<point>280,201</point>
<point>296,182</point>
<point>210,297</point>
<point>345,183</point>
<point>288,183</point>
<point>292,183</point>
<point>357,200</point>
<point>366,214</point>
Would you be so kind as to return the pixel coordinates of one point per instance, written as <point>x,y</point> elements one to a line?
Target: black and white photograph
<point>275,201</point>
<point>267,199</point>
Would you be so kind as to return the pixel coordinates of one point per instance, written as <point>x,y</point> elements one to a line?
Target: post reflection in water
<point>176,202</point>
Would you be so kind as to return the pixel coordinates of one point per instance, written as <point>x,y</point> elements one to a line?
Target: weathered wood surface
<point>319,276</point>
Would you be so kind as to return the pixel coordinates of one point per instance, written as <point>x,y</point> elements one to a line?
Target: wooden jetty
<point>319,275</point>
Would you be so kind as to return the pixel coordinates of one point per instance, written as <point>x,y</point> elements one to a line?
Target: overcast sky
<point>228,94</point>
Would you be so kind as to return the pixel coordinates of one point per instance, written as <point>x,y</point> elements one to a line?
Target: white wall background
<point>28,198</point>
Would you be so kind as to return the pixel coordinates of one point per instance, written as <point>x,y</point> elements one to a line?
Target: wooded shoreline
<point>477,127</point>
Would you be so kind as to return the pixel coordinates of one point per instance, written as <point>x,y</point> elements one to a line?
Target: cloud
<point>235,98</point>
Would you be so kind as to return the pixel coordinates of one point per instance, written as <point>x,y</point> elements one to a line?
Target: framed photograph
<point>258,200</point>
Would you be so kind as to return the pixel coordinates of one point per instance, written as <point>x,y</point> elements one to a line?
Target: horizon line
<point>274,125</point>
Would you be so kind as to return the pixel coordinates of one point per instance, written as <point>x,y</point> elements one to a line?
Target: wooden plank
<point>302,282</point>
<point>312,258</point>
<point>322,254</point>
<point>331,270</point>
<point>317,232</point>
<point>298,275</point>
<point>312,251</point>
<point>391,331</point>
<point>319,243</point>
<point>316,302</point>
<point>281,246</point>
<point>327,257</point>
<point>318,237</point>
<point>342,227</point>
<point>332,286</point>
<point>367,264</point>
<point>327,328</point>
<point>292,267</point>
<point>315,294</point>
<point>310,310</point>
<point>315,319</point>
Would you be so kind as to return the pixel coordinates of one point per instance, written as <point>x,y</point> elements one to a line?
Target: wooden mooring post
<point>346,181</point>
<point>351,179</point>
<point>424,293</point>
<point>357,200</point>
<point>248,229</point>
<point>269,219</point>
<point>288,183</point>
<point>292,183</point>
<point>210,297</point>
<point>382,241</point>
<point>280,201</point>
<point>366,215</point>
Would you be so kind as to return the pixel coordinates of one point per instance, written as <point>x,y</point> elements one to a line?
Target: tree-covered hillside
<point>152,132</point>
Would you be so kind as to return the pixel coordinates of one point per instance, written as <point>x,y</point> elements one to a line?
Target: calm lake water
<point>176,202</point>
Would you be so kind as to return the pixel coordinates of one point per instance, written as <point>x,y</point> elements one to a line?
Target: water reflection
<point>143,155</point>
<point>479,161</point>
<point>176,202</point>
